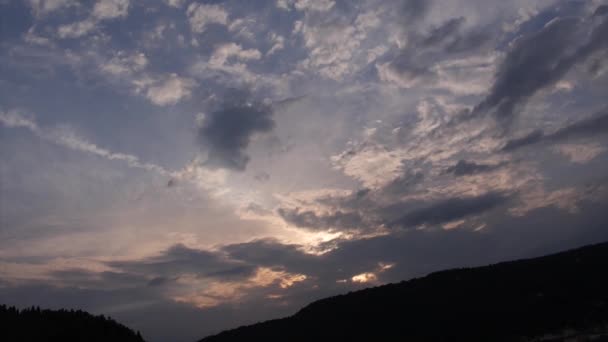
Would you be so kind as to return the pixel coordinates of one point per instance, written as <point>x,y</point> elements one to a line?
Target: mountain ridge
<point>509,301</point>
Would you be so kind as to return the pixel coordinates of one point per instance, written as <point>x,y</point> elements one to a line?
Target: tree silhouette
<point>34,324</point>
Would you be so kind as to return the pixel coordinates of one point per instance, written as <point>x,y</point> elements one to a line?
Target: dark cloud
<point>444,31</point>
<point>272,253</point>
<point>425,50</point>
<point>338,220</point>
<point>412,11</point>
<point>403,183</point>
<point>451,209</point>
<point>596,125</point>
<point>534,62</point>
<point>226,133</point>
<point>470,41</point>
<point>540,59</point>
<point>180,259</point>
<point>586,128</point>
<point>465,168</point>
<point>532,138</point>
<point>601,10</point>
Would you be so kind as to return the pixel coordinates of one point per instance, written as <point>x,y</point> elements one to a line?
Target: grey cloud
<point>534,62</point>
<point>270,253</point>
<point>439,34</point>
<point>180,259</point>
<point>597,124</point>
<point>403,183</point>
<point>415,62</point>
<point>529,139</point>
<point>226,133</point>
<point>338,220</point>
<point>451,209</point>
<point>451,39</point>
<point>414,10</point>
<point>540,59</point>
<point>464,168</point>
<point>107,279</point>
<point>591,127</point>
<point>601,10</point>
<point>470,41</point>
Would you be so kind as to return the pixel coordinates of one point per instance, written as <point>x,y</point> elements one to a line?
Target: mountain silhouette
<point>34,324</point>
<point>560,297</point>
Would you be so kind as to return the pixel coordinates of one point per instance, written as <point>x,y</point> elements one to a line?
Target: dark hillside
<point>543,299</point>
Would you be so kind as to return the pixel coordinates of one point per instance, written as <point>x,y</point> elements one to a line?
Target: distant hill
<point>561,297</point>
<point>35,325</point>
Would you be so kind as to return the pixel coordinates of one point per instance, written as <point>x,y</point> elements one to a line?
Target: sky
<point>189,166</point>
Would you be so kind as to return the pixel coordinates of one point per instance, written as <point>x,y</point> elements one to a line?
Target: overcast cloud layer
<point>190,166</point>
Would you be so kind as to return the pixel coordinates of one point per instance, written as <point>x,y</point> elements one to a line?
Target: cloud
<point>226,132</point>
<point>447,57</point>
<point>593,126</point>
<point>175,3</point>
<point>65,137</point>
<point>102,10</point>
<point>278,43</point>
<point>373,166</point>
<point>339,220</point>
<point>529,139</point>
<point>225,51</point>
<point>412,11</point>
<point>314,5</point>
<point>110,9</point>
<point>170,90</point>
<point>123,63</point>
<point>580,153</point>
<point>451,209</point>
<point>464,168</point>
<point>202,15</point>
<point>180,260</point>
<point>77,29</point>
<point>540,59</point>
<point>336,44</point>
<point>439,34</point>
<point>43,7</point>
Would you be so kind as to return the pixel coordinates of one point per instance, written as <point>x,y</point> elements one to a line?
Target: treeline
<point>35,324</point>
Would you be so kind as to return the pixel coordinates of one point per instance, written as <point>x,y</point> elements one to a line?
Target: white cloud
<point>15,119</point>
<point>110,9</point>
<point>201,15</point>
<point>66,137</point>
<point>43,7</point>
<point>284,4</point>
<point>102,10</point>
<point>373,166</point>
<point>222,53</point>
<point>335,48</point>
<point>580,153</point>
<point>175,3</point>
<point>314,5</point>
<point>122,64</point>
<point>77,29</point>
<point>537,198</point>
<point>243,28</point>
<point>278,43</point>
<point>169,90</point>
